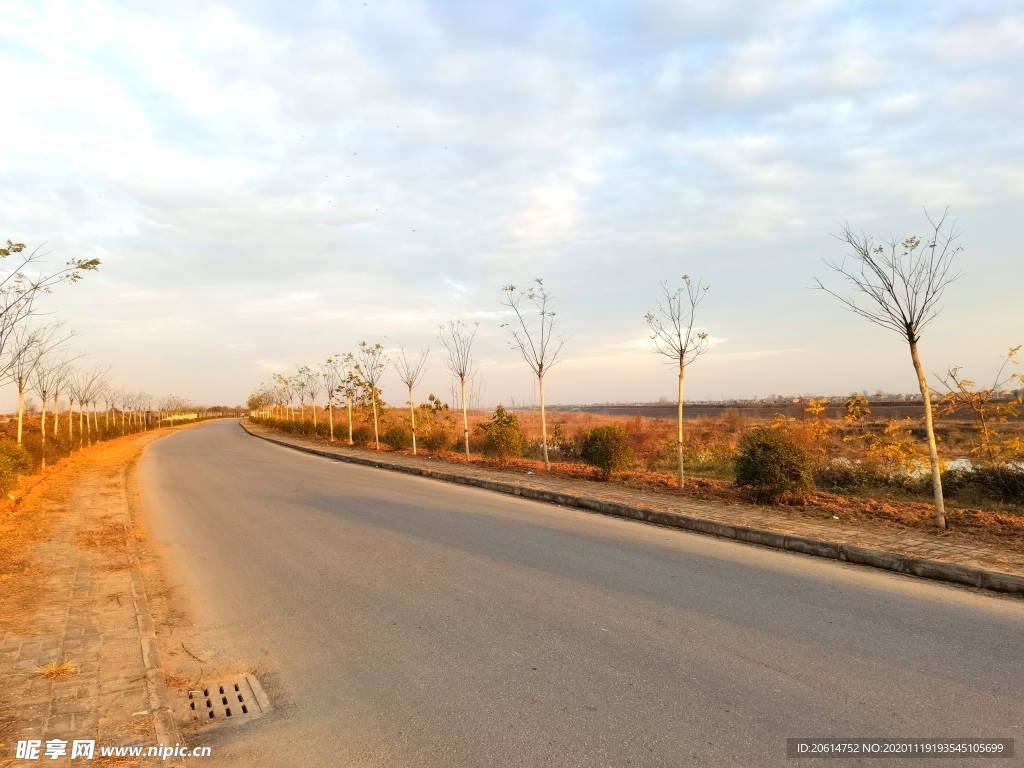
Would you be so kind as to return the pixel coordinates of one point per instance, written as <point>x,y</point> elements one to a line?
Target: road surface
<point>409,622</point>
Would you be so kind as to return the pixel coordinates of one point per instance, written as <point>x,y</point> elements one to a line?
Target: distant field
<point>882,410</point>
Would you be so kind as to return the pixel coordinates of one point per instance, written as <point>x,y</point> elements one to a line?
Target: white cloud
<point>275,183</point>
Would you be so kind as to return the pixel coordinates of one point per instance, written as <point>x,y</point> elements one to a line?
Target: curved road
<point>407,621</point>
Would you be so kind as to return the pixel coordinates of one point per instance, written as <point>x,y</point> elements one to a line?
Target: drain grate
<point>223,703</point>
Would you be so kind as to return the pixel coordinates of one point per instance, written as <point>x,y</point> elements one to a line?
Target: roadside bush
<point>608,449</point>
<point>852,476</point>
<point>436,434</point>
<point>362,436</point>
<point>14,460</point>
<point>503,440</point>
<point>770,463</point>
<point>397,438</point>
<point>1004,483</point>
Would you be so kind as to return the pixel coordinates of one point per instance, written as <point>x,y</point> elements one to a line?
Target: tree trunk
<point>373,402</point>
<point>679,439</point>
<point>21,404</point>
<point>543,419</point>
<point>81,424</point>
<point>465,417</point>
<point>350,441</point>
<point>330,415</point>
<point>314,414</point>
<point>42,430</point>
<point>56,415</point>
<point>412,417</point>
<point>933,452</point>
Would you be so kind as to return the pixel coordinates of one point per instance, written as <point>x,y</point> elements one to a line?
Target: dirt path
<point>72,595</point>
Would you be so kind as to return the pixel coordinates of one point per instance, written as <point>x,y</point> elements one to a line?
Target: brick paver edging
<point>924,568</point>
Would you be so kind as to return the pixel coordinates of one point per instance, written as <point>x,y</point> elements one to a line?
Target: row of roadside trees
<point>36,360</point>
<point>896,283</point>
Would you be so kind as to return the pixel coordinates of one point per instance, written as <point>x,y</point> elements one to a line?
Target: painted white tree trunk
<point>543,419</point>
<point>933,451</point>
<point>21,405</point>
<point>465,416</point>
<point>679,439</point>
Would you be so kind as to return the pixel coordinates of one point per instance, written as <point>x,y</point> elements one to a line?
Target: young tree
<point>457,339</point>
<point>301,383</point>
<point>27,347</point>
<point>675,337</point>
<point>287,387</point>
<point>993,405</point>
<point>411,371</point>
<point>314,385</point>
<point>60,385</point>
<point>43,380</point>
<point>349,386</point>
<point>331,376</point>
<point>539,345</point>
<point>371,366</point>
<point>900,283</point>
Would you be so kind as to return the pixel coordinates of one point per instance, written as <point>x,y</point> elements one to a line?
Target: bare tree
<point>331,376</point>
<point>83,385</point>
<point>476,391</point>
<point>314,386</point>
<point>301,383</point>
<point>539,346</point>
<point>27,347</point>
<point>287,388</point>
<point>43,379</point>
<point>411,371</point>
<point>371,366</point>
<point>901,283</point>
<point>457,339</point>
<point>60,385</point>
<point>75,385</point>
<point>675,337</point>
<point>349,386</point>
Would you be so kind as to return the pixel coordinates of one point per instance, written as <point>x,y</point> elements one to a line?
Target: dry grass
<point>40,508</point>
<point>111,536</point>
<point>56,670</point>
<point>9,721</point>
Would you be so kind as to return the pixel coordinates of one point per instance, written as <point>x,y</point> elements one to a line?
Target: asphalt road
<point>407,621</point>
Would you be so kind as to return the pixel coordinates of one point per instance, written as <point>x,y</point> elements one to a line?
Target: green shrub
<point>362,435</point>
<point>398,438</point>
<point>1000,483</point>
<point>503,439</point>
<point>503,442</point>
<point>14,461</point>
<point>608,449</point>
<point>770,464</point>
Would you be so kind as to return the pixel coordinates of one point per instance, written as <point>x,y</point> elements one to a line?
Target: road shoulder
<point>76,597</point>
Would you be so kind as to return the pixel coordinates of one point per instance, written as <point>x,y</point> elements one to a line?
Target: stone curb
<point>156,682</point>
<point>937,570</point>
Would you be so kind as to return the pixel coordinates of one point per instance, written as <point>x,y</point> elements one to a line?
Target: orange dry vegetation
<point>40,504</point>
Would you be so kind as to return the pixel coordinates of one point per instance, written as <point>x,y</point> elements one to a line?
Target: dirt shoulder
<point>72,596</point>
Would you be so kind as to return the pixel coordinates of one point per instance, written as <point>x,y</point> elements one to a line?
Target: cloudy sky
<point>268,183</point>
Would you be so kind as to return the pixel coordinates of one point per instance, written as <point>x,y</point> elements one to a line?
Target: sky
<point>267,184</point>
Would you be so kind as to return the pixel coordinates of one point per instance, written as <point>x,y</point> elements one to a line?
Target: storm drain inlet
<point>222,703</point>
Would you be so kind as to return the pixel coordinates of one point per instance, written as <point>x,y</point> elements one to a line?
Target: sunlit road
<point>415,623</point>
